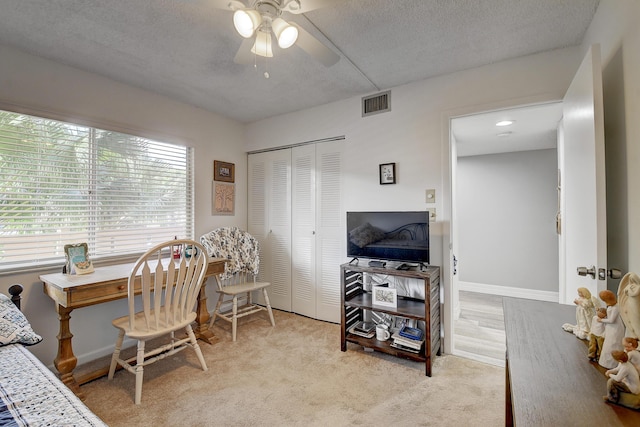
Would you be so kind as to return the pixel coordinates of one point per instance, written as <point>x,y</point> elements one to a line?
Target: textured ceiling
<point>184,49</point>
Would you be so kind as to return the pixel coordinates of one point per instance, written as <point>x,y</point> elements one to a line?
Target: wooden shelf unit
<point>355,300</point>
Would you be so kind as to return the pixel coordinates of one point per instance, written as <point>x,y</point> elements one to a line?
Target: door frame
<point>449,163</point>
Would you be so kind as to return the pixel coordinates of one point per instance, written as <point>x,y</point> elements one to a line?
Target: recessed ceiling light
<point>505,134</point>
<point>504,123</point>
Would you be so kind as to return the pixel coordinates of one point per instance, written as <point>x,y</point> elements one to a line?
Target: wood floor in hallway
<point>479,330</point>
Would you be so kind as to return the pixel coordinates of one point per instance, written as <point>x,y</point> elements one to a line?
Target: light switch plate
<point>430,196</point>
<point>432,214</point>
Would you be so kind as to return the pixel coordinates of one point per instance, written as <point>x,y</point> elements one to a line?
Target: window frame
<point>9,266</point>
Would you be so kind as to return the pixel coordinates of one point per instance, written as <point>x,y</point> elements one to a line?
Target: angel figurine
<point>585,310</point>
<point>629,302</point>
<point>613,330</point>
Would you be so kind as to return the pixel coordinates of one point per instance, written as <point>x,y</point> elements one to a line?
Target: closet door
<point>330,230</point>
<point>317,225</point>
<point>303,216</point>
<point>295,211</point>
<point>269,221</point>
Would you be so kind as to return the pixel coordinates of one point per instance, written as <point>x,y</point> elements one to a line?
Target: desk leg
<point>65,361</point>
<point>201,329</point>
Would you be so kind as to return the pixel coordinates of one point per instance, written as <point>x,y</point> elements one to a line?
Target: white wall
<point>412,134</point>
<point>36,86</point>
<point>506,205</point>
<point>415,135</point>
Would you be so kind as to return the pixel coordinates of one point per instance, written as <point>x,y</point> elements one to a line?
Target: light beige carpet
<point>296,375</point>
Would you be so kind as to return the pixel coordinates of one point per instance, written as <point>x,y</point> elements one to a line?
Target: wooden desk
<point>549,380</point>
<point>104,284</point>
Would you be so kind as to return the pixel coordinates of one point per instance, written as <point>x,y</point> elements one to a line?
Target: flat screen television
<point>389,236</point>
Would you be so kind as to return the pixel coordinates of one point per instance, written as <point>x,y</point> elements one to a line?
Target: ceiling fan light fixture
<point>286,33</point>
<point>262,45</point>
<point>246,21</point>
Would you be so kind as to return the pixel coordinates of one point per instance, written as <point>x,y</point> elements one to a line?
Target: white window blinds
<point>63,183</point>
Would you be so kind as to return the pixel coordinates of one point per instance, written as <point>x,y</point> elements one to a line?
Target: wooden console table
<point>103,285</point>
<point>549,380</point>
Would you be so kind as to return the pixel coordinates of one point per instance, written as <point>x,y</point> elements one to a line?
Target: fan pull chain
<point>266,68</point>
<point>255,57</point>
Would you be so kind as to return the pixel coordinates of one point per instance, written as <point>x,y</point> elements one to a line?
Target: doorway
<point>504,205</point>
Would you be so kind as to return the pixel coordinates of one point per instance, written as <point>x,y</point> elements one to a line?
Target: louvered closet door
<point>270,221</point>
<point>257,218</point>
<point>330,229</point>
<point>317,224</point>
<point>303,216</point>
<point>295,211</point>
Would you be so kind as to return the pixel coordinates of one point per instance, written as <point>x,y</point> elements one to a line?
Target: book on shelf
<point>360,333</point>
<point>411,333</point>
<point>365,327</point>
<point>407,342</point>
<point>404,348</point>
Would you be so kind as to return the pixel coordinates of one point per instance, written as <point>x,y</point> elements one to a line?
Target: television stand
<point>355,301</point>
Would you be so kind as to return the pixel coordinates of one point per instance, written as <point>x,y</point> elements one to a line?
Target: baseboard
<point>507,291</point>
<point>479,358</point>
<point>99,353</point>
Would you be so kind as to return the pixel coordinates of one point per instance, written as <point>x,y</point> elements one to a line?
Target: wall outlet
<point>430,196</point>
<point>432,214</point>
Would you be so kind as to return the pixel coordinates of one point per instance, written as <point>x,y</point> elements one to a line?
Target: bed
<point>409,242</point>
<point>30,394</point>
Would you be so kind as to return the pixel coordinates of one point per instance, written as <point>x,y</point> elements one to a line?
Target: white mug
<point>382,333</point>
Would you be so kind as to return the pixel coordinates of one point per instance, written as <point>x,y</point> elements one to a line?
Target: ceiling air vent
<point>378,103</point>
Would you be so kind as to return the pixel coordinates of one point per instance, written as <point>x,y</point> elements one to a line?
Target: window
<point>63,183</point>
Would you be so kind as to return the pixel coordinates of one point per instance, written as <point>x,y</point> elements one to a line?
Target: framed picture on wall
<point>223,199</point>
<point>387,173</point>
<point>223,171</point>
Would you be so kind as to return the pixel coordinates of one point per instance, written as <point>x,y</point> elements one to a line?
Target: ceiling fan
<point>261,22</point>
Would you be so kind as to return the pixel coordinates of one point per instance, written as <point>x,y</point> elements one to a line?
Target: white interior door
<point>583,240</point>
<point>303,217</point>
<point>330,241</point>
<point>257,215</point>
<point>317,230</point>
<point>453,248</point>
<point>270,221</point>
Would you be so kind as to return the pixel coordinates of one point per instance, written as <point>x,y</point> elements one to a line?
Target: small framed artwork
<point>384,296</point>
<point>223,199</point>
<point>77,259</point>
<point>387,173</point>
<point>223,171</point>
<point>399,322</point>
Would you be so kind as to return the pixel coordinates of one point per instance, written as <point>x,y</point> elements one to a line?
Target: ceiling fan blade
<point>315,48</point>
<point>244,55</point>
<point>308,5</point>
<point>227,4</point>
